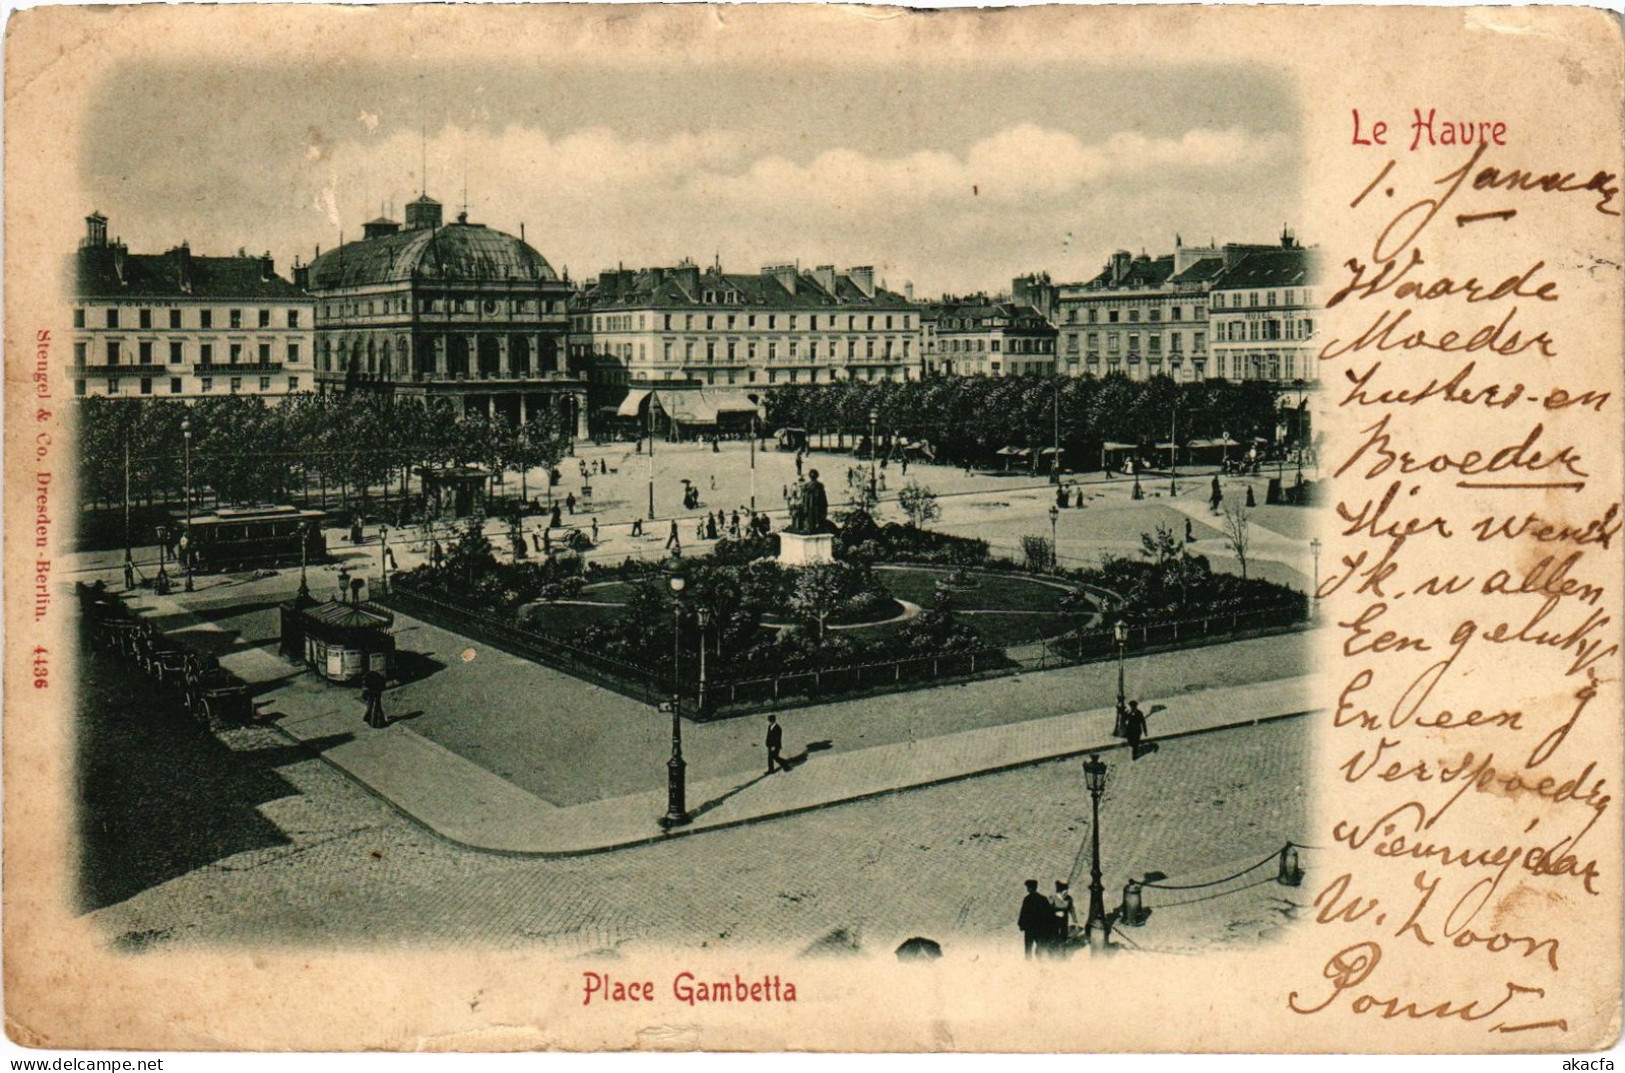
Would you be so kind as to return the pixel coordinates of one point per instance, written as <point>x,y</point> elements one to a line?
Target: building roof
<point>455,252</point>
<point>1294,267</point>
<point>686,285</point>
<point>348,616</point>
<point>1201,271</point>
<point>1142,271</point>
<point>112,272</point>
<point>980,311</point>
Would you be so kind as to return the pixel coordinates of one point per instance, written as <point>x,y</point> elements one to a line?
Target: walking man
<point>775,741</point>
<point>1134,726</point>
<point>595,531</point>
<point>372,692</point>
<point>570,502</point>
<point>674,541</point>
<point>1035,920</point>
<point>1216,496</point>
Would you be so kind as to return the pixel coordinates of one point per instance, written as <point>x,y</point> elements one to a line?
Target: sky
<point>955,178</point>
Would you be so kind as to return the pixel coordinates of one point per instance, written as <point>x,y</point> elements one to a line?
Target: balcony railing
<point>215,368</point>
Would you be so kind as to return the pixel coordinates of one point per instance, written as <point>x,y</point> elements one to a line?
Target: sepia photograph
<point>715,517</point>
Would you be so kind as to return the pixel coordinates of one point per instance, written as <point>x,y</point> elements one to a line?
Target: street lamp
<point>383,558</point>
<point>1314,589</point>
<point>186,447</point>
<point>1120,635</point>
<point>1094,774</point>
<point>1054,543</point>
<point>160,584</point>
<point>676,809</point>
<point>304,555</point>
<point>1055,459</point>
<point>702,617</point>
<point>651,456</point>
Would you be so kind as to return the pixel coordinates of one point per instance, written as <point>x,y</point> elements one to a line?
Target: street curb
<point>689,831</point>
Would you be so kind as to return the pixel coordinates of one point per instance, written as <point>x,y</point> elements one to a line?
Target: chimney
<point>301,275</point>
<point>119,250</point>
<point>267,267</point>
<point>908,290</point>
<point>863,278</point>
<point>182,256</point>
<point>787,275</point>
<point>424,213</point>
<point>1120,265</point>
<point>95,230</point>
<point>687,276</point>
<point>824,275</point>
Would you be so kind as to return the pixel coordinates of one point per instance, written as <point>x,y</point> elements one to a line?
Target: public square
<point>916,814</point>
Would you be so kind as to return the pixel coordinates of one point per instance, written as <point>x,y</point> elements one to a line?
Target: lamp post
<point>753,465</point>
<point>1173,451</point>
<point>1314,588</point>
<point>676,808</point>
<point>186,447</point>
<point>304,556</point>
<point>1055,459</point>
<point>1094,774</point>
<point>1054,542</point>
<point>702,618</point>
<point>651,456</point>
<point>383,558</point>
<point>1120,635</point>
<point>161,582</point>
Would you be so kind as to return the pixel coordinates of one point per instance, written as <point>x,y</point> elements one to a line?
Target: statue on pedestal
<point>809,505</point>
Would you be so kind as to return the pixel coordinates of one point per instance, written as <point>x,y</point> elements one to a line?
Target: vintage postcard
<point>813,528</point>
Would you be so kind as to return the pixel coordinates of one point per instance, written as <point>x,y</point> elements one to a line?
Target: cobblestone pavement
<point>317,859</point>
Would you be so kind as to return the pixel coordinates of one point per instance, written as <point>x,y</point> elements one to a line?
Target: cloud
<point>1026,197</point>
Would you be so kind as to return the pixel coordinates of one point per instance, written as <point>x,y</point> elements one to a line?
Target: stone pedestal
<point>806,549</point>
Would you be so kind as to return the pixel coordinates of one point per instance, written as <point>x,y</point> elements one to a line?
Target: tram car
<point>242,538</point>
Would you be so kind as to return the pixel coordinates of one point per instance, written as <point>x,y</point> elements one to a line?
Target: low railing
<point>724,696</point>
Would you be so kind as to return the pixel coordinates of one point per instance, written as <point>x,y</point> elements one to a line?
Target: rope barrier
<point>1273,855</point>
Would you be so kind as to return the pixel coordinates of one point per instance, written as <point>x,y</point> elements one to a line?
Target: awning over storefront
<point>1225,442</point>
<point>705,407</point>
<point>1112,445</point>
<point>632,403</point>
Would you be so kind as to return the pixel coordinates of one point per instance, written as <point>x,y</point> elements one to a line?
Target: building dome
<point>458,252</point>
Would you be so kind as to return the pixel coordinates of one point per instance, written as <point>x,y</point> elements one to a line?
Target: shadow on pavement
<point>158,796</point>
<point>701,810</point>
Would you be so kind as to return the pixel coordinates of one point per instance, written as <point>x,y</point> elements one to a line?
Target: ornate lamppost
<point>1120,635</point>
<point>1094,774</point>
<point>160,584</point>
<point>304,557</point>
<point>1314,589</point>
<point>1055,459</point>
<point>383,558</point>
<point>1054,543</point>
<point>874,451</point>
<point>676,807</point>
<point>702,618</point>
<point>186,447</point>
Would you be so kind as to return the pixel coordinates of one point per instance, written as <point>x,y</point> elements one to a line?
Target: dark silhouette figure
<point>1036,920</point>
<point>372,692</point>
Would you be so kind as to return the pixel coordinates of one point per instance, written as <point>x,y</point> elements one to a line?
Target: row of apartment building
<point>457,309</point>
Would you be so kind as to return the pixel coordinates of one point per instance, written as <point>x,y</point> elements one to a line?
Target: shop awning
<point>632,403</point>
<point>1225,442</point>
<point>704,406</point>
<point>1112,445</point>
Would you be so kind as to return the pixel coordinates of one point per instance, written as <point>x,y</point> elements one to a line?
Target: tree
<point>470,555</point>
<point>919,503</point>
<point>822,590</point>
<point>1238,531</point>
<point>1039,553</point>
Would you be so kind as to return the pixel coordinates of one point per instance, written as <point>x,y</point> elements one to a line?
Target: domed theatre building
<point>455,310</point>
